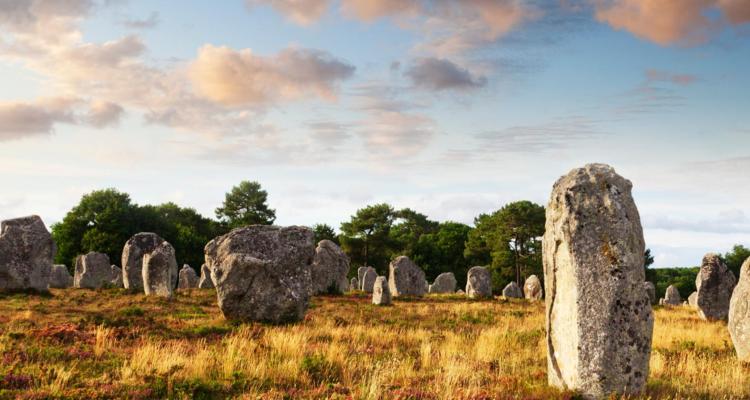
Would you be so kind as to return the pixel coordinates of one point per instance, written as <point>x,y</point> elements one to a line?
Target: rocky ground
<point>110,344</point>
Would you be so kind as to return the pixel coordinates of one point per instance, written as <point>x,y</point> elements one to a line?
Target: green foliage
<point>320,370</point>
<point>324,232</point>
<point>443,251</point>
<point>509,241</point>
<point>736,257</point>
<point>105,219</point>
<point>246,205</point>
<point>682,278</point>
<point>409,228</point>
<point>366,237</point>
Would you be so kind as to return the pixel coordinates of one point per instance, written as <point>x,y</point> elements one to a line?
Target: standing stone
<point>188,278</point>
<point>460,291</point>
<point>714,285</point>
<point>26,253</point>
<point>93,271</point>
<point>444,283</point>
<point>60,277</point>
<point>135,249</point>
<point>599,320</point>
<point>329,269</point>
<point>353,284</point>
<point>368,279</point>
<point>405,278</point>
<point>671,297</point>
<point>116,276</point>
<point>739,314</point>
<point>650,291</point>
<point>532,288</point>
<point>159,270</point>
<point>478,283</point>
<point>512,291</point>
<point>381,294</point>
<point>206,282</point>
<point>361,274</point>
<point>693,300</point>
<point>262,273</point>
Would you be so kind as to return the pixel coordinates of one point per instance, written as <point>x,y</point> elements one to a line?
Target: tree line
<point>507,241</point>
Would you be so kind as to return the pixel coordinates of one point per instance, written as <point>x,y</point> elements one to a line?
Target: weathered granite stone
<point>381,294</point>
<point>672,296</point>
<point>60,277</point>
<point>460,291</point>
<point>650,291</point>
<point>93,271</point>
<point>188,278</point>
<point>714,285</point>
<point>444,283</point>
<point>205,282</point>
<point>329,269</point>
<point>116,277</point>
<point>361,274</point>
<point>406,278</point>
<point>512,291</point>
<point>661,301</point>
<point>368,279</point>
<point>262,273</point>
<point>739,314</point>
<point>532,288</point>
<point>159,270</point>
<point>132,259</point>
<point>599,320</point>
<point>693,300</point>
<point>26,253</point>
<point>478,283</point>
<point>353,284</point>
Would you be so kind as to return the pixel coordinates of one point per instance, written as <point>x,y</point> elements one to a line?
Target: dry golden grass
<point>112,345</point>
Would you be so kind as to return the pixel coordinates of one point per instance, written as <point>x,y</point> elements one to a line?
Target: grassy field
<point>109,344</point>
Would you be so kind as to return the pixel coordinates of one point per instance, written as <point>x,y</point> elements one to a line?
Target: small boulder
<point>381,294</point>
<point>368,279</point>
<point>672,296</point>
<point>353,284</point>
<point>739,314</point>
<point>60,277</point>
<point>714,285</point>
<point>650,291</point>
<point>532,288</point>
<point>460,291</point>
<point>262,273</point>
<point>93,271</point>
<point>329,269</point>
<point>205,281</point>
<point>116,276</point>
<point>26,253</point>
<point>512,291</point>
<point>133,252</point>
<point>159,270</point>
<point>478,283</point>
<point>444,283</point>
<point>188,278</point>
<point>406,278</point>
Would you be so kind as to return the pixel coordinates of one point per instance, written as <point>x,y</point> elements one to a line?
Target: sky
<point>451,108</point>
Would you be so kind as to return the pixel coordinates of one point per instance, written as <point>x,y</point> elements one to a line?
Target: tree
<point>324,232</point>
<point>366,237</point>
<point>443,251</point>
<point>648,260</point>
<point>736,257</point>
<point>509,240</point>
<point>246,205</point>
<point>102,221</point>
<point>409,226</point>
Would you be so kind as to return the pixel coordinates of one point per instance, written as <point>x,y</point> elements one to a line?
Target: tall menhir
<point>599,319</point>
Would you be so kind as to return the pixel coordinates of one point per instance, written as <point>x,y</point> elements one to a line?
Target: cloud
<point>654,75</point>
<point>396,136</point>
<point>439,74</point>
<point>23,119</point>
<point>544,137</point>
<point>234,77</point>
<point>370,10</point>
<point>728,221</point>
<point>302,12</point>
<point>152,21</point>
<point>672,22</point>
